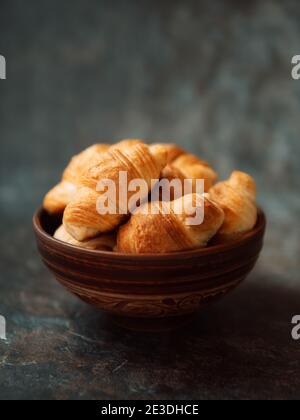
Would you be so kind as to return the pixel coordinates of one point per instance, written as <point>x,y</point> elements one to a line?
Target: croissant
<point>183,168</point>
<point>103,242</point>
<point>124,144</point>
<point>60,196</point>
<point>172,150</point>
<point>191,167</point>
<point>172,174</point>
<point>237,198</point>
<point>81,218</point>
<point>162,232</point>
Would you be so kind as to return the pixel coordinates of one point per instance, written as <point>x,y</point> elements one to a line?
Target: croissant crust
<point>103,242</point>
<point>81,218</point>
<point>161,233</point>
<point>237,198</point>
<point>60,196</point>
<point>229,207</point>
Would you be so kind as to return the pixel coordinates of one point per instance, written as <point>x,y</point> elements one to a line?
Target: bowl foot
<point>152,324</point>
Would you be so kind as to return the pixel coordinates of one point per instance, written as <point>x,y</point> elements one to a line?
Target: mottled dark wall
<point>214,76</point>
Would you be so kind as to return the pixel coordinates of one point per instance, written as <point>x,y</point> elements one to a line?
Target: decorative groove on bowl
<point>191,283</point>
<point>150,306</point>
<point>93,279</point>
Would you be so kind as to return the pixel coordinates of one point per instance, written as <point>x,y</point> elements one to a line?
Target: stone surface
<point>214,76</point>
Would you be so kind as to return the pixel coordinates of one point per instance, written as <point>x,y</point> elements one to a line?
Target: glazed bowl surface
<point>140,289</point>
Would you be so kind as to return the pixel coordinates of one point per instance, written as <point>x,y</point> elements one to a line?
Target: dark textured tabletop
<point>215,77</point>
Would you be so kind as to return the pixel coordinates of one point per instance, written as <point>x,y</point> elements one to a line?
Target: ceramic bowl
<point>149,291</point>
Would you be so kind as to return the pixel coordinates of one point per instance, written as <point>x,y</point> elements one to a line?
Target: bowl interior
<point>47,222</point>
<point>45,226</point>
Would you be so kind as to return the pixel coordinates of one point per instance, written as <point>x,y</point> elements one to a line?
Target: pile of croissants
<point>229,207</point>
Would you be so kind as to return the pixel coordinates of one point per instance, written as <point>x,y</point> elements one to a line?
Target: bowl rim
<point>213,249</point>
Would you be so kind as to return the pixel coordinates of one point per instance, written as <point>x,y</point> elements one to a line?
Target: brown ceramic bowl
<point>149,291</point>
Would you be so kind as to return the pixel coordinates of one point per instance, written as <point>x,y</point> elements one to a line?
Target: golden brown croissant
<point>172,150</point>
<point>162,233</point>
<point>60,196</point>
<point>173,176</point>
<point>81,218</point>
<point>183,168</point>
<point>101,243</point>
<point>124,144</point>
<point>237,198</point>
<point>191,167</point>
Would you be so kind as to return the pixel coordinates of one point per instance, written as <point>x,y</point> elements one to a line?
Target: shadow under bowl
<point>149,292</point>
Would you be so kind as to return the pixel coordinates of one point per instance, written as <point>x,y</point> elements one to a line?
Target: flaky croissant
<point>186,169</point>
<point>60,196</point>
<point>173,176</point>
<point>172,150</point>
<point>191,167</point>
<point>162,233</point>
<point>101,243</point>
<point>81,218</point>
<point>124,144</point>
<point>237,198</point>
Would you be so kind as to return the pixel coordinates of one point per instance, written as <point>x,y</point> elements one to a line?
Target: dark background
<point>213,76</point>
